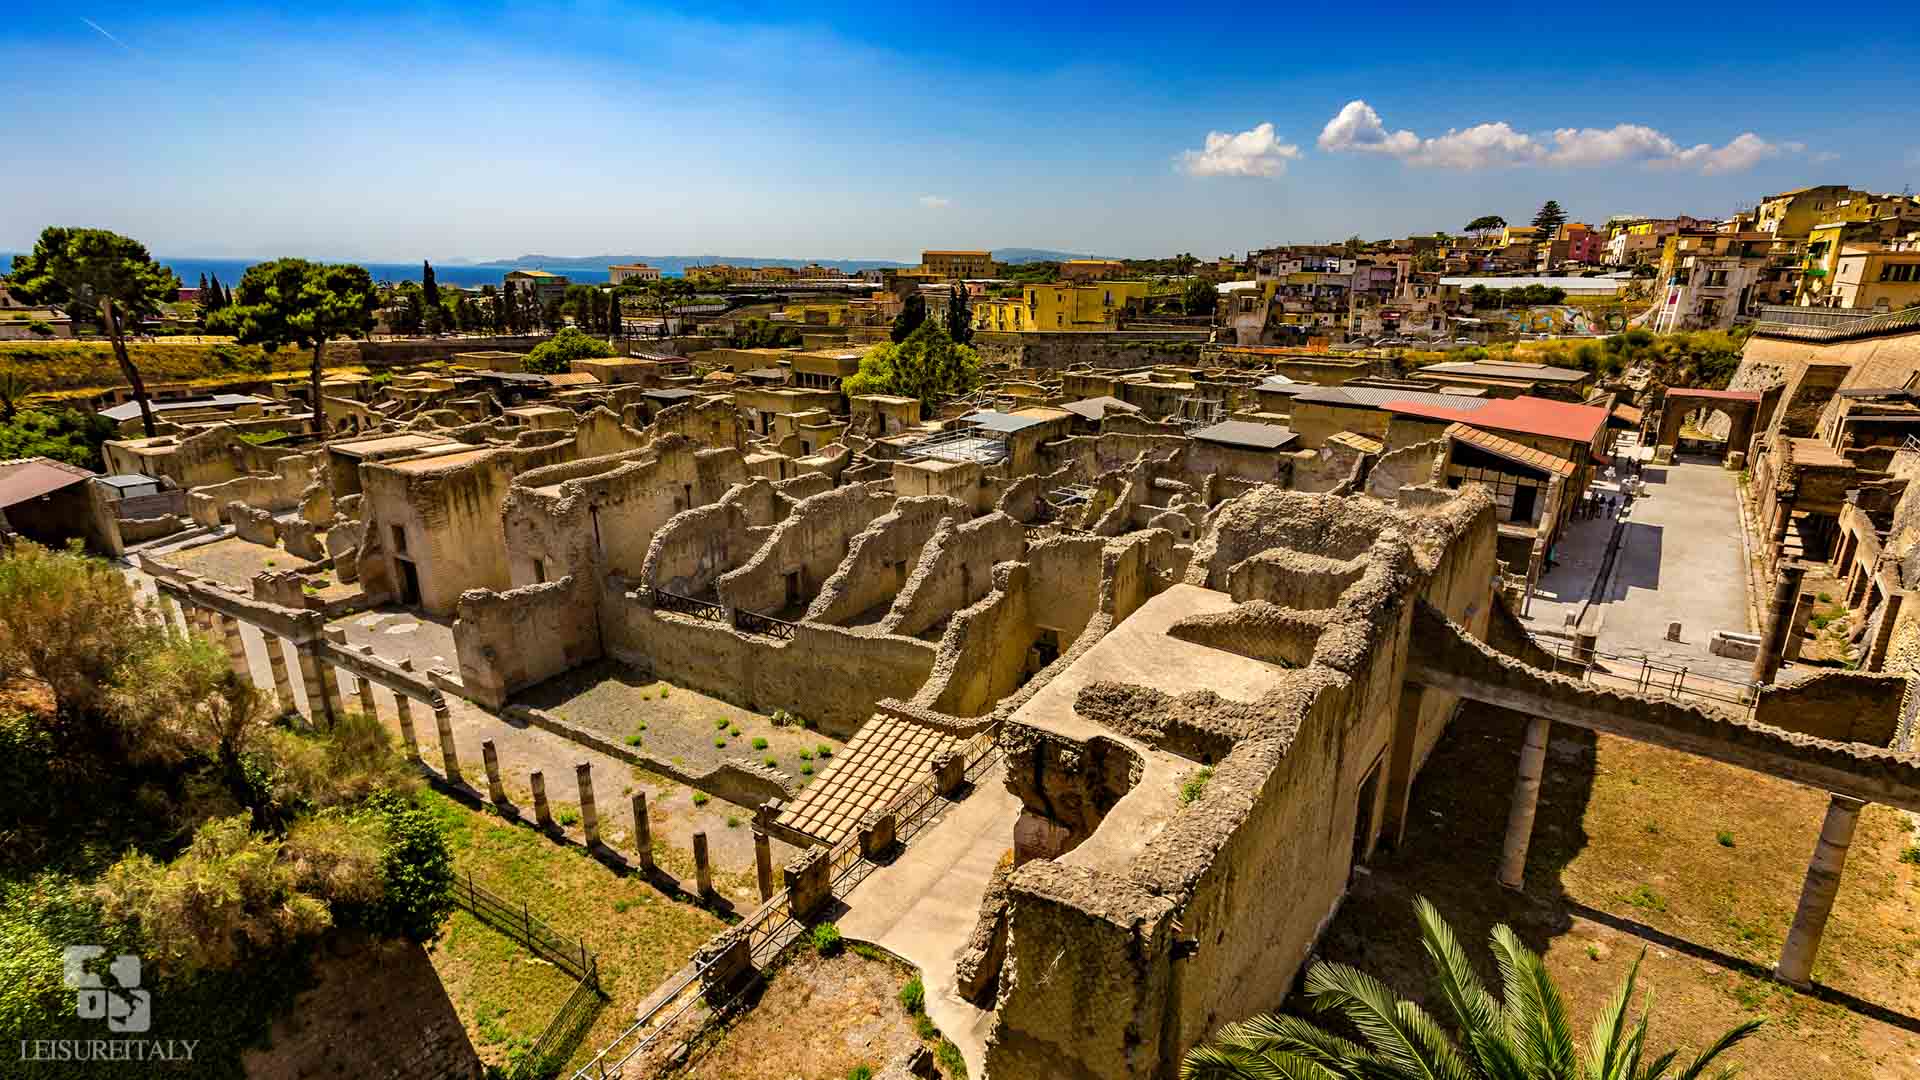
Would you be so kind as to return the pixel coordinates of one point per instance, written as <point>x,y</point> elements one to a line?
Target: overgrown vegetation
<point>153,802</point>
<point>68,435</point>
<point>762,334</point>
<point>928,366</point>
<point>556,355</point>
<point>1195,785</point>
<point>1702,359</point>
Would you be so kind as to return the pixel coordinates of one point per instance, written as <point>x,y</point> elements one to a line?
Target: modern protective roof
<point>1503,369</point>
<point>1377,397</point>
<point>128,480</point>
<point>1522,415</point>
<point>1570,284</point>
<point>131,409</point>
<point>1095,408</point>
<point>1722,395</point>
<point>1246,434</point>
<point>669,394</point>
<point>1003,423</point>
<point>29,478</point>
<point>1510,450</point>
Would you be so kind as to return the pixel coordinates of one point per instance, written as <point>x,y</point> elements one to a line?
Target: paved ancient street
<point>1680,560</point>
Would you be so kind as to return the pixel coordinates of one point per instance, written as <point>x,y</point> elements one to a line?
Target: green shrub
<point>732,822</point>
<point>1724,838</point>
<point>824,750</point>
<point>924,1027</point>
<point>720,742</point>
<point>1195,785</point>
<point>720,723</point>
<point>634,739</point>
<point>860,1072</point>
<point>806,770</point>
<point>826,939</point>
<point>701,798</point>
<point>805,754</point>
<point>759,743</point>
<point>950,1060</point>
<point>913,996</point>
<point>771,761</point>
<point>556,355</point>
<point>569,817</point>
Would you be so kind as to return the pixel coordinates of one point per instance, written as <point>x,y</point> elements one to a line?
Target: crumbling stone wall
<point>955,571</point>
<point>695,547</point>
<point>507,641</point>
<point>810,543</point>
<point>1841,706</point>
<point>879,559</point>
<point>277,490</point>
<point>984,653</point>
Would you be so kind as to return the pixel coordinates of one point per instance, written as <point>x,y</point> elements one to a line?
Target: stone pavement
<point>1680,560</point>
<point>923,906</point>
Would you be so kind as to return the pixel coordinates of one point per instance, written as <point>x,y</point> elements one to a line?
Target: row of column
<point>323,704</point>
<point>1816,893</point>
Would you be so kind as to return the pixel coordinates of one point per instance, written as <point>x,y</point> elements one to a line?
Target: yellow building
<point>817,314</point>
<point>1063,306</point>
<point>625,272</point>
<point>1876,279</point>
<point>957,265</point>
<point>1518,234</point>
<point>1795,214</point>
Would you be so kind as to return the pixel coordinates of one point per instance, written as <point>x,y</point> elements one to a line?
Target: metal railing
<point>515,921</point>
<point>755,623</point>
<point>556,1042</point>
<point>1859,327</point>
<point>773,926</point>
<point>687,605</point>
<point>1651,678</point>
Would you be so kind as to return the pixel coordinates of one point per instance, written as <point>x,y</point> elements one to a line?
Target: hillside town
<point>1078,667</point>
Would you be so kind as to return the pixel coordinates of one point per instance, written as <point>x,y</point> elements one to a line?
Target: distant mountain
<point>1027,255</point>
<point>673,265</point>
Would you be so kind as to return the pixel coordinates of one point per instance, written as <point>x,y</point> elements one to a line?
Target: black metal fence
<point>515,921</point>
<point>755,623</point>
<point>687,605</point>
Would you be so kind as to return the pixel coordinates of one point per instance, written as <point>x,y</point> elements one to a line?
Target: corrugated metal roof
<point>29,478</point>
<point>1246,434</point>
<point>1510,450</point>
<point>1004,423</point>
<point>1376,397</point>
<point>1095,408</point>
<point>1501,369</point>
<point>131,409</point>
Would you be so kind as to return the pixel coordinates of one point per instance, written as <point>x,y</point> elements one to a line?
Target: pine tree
<point>1549,219</point>
<point>913,312</point>
<point>430,298</point>
<point>959,321</point>
<point>613,314</point>
<point>213,299</point>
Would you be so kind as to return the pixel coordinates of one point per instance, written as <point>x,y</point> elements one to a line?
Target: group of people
<point>1599,504</point>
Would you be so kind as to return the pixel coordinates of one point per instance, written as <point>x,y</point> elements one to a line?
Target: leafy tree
<point>1200,297</point>
<point>928,366</point>
<point>430,299</point>
<point>556,354</point>
<point>110,273</point>
<point>959,321</point>
<point>1487,223</point>
<point>1523,1035</point>
<point>68,435</point>
<point>762,334</point>
<point>1353,245</point>
<point>296,303</point>
<point>1548,219</point>
<point>551,317</point>
<point>913,312</point>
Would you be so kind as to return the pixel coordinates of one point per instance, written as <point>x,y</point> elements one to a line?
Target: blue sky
<point>384,132</point>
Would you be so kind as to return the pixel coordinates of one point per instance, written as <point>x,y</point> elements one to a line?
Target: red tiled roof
<point>1524,415</point>
<point>1510,450</point>
<point>1725,395</point>
<point>1628,413</point>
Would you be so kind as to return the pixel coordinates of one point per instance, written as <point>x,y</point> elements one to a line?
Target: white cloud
<point>1357,127</point>
<point>1255,152</point>
<point>935,202</point>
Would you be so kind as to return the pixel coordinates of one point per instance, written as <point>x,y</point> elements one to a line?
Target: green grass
<point>913,996</point>
<point>1644,898</point>
<point>950,1061</point>
<point>1195,785</point>
<point>1723,838</point>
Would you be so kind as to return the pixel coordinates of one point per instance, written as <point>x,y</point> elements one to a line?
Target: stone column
<point>366,698</point>
<point>1773,643</point>
<point>172,611</point>
<point>491,759</point>
<point>542,813</point>
<point>1526,798</point>
<point>642,833</point>
<point>1883,634</point>
<point>702,868</point>
<point>277,663</point>
<point>763,862</point>
<point>589,817</point>
<point>1406,726</point>
<point>314,678</point>
<point>236,646</point>
<point>409,745</point>
<point>1816,895</point>
<point>449,754</point>
<point>809,884</point>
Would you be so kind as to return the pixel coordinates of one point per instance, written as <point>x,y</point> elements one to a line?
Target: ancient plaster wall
<point>507,641</point>
<point>880,557</point>
<point>1842,706</point>
<point>829,674</point>
<point>954,572</point>
<point>696,546</point>
<point>452,523</point>
<point>278,490</point>
<point>810,542</point>
<point>984,654</point>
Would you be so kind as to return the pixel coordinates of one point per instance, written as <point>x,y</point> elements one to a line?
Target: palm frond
<point>1604,1049</point>
<point>1535,1014</point>
<point>1474,1010</point>
<point>1733,1037</point>
<point>1218,1063</point>
<point>1372,1008</point>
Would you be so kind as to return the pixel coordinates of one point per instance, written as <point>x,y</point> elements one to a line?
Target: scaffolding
<point>960,444</point>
